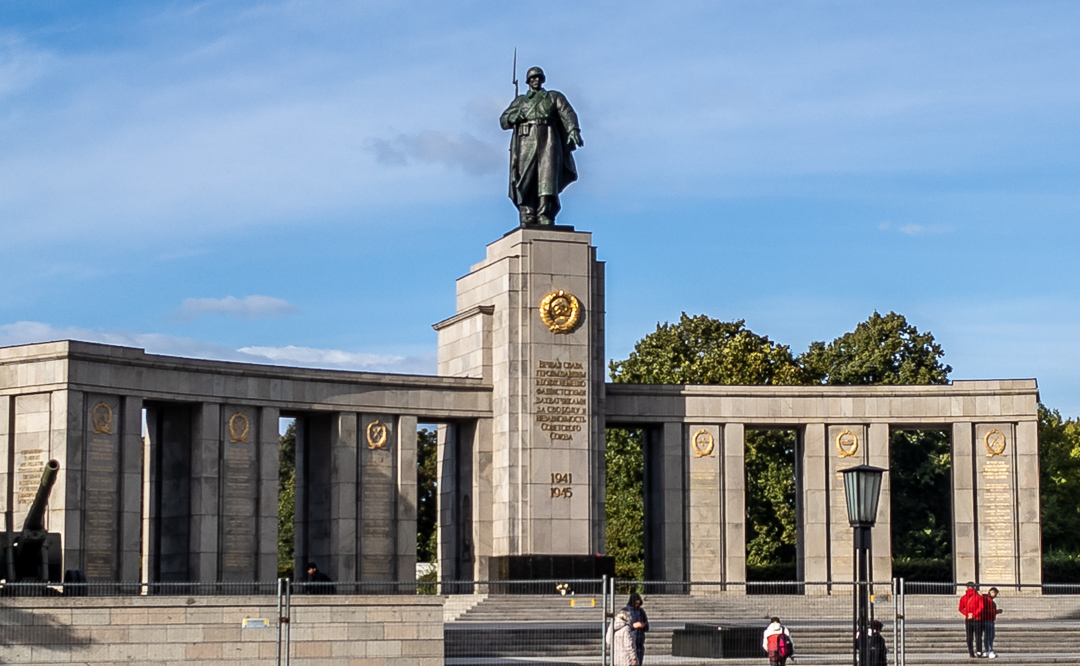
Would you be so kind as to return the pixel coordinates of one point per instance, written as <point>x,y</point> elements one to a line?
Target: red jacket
<point>987,610</point>
<point>971,602</point>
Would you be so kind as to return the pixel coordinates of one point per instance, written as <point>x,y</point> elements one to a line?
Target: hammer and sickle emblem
<point>703,444</point>
<point>995,443</point>
<point>376,435</point>
<point>560,311</point>
<point>239,426</point>
<point>847,443</point>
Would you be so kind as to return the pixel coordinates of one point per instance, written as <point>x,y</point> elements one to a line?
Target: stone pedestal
<point>531,322</point>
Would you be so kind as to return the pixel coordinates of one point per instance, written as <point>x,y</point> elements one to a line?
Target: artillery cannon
<point>33,555</point>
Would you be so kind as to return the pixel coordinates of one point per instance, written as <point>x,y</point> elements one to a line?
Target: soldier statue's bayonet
<point>515,75</point>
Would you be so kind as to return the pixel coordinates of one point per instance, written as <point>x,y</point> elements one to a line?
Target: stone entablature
<point>924,406</point>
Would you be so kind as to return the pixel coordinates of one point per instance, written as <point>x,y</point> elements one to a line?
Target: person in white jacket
<point>621,641</point>
<point>774,629</point>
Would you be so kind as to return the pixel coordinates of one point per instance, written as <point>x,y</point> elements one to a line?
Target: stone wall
<point>368,630</point>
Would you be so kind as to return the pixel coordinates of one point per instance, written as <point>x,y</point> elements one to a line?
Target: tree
<point>881,350</point>
<point>1059,458</point>
<point>889,350</point>
<point>702,350</point>
<point>286,501</point>
<point>427,495</point>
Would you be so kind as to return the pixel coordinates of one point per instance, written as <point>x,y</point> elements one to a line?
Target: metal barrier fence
<point>563,620</point>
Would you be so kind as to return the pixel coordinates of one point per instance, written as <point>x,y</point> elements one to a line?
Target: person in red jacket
<point>986,615</point>
<point>970,607</point>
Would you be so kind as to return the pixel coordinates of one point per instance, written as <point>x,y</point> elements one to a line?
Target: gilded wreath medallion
<point>102,417</point>
<point>376,435</point>
<point>703,444</point>
<point>995,443</point>
<point>847,443</point>
<point>560,311</point>
<point>239,427</point>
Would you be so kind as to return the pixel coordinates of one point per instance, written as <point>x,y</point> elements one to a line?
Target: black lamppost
<point>862,488</point>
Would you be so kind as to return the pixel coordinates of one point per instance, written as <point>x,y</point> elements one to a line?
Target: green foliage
<point>921,495</point>
<point>1059,458</point>
<point>286,501</point>
<point>1061,567</point>
<point>770,497</point>
<point>625,507</point>
<point>777,571</point>
<point>923,569</point>
<point>881,350</point>
<point>702,350</point>
<point>427,499</point>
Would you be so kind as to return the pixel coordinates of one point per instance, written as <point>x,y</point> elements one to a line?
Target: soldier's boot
<point>549,208</point>
<point>528,215</point>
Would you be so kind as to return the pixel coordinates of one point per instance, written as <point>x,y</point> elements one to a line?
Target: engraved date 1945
<point>560,485</point>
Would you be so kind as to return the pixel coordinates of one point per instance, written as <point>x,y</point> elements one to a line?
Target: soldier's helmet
<point>535,71</point>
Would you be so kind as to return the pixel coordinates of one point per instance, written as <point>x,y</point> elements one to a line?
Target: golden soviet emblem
<point>847,443</point>
<point>995,443</point>
<point>101,417</point>
<point>376,435</point>
<point>703,444</point>
<point>239,427</point>
<point>560,311</point>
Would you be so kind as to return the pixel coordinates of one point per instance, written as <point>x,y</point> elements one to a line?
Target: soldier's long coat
<point>541,162</point>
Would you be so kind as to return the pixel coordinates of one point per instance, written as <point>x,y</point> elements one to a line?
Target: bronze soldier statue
<point>541,151</point>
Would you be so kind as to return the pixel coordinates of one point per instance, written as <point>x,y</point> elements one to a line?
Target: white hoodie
<point>771,630</point>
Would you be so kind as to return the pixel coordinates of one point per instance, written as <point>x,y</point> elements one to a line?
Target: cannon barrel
<point>35,520</point>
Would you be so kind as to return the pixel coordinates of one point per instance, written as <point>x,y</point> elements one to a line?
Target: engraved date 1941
<point>561,485</point>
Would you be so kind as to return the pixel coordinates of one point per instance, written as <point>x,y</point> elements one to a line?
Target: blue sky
<point>302,182</point>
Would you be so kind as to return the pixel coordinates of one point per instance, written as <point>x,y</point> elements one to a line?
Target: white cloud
<point>336,358</point>
<point>30,332</point>
<point>463,151</point>
<point>249,307</point>
<point>912,229</point>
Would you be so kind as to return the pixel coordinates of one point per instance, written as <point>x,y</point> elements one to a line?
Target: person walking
<point>776,641</point>
<point>970,606</point>
<point>987,617</point>
<point>620,641</point>
<point>639,624</point>
<point>321,582</point>
<point>879,651</point>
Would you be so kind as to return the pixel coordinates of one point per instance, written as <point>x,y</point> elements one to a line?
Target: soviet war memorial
<point>600,459</point>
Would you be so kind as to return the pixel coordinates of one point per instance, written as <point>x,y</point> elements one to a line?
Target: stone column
<point>963,493</point>
<point>269,451</point>
<point>205,493</point>
<point>378,496</point>
<point>705,446</point>
<point>878,456</point>
<point>997,525</point>
<point>1027,464</point>
<point>344,498</point>
<point>446,472</point>
<point>734,502</point>
<point>130,489</point>
<point>7,449</point>
<point>666,522</point>
<point>405,541</point>
<point>847,446</point>
<point>814,524</point>
<point>238,493</point>
<point>483,510</point>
